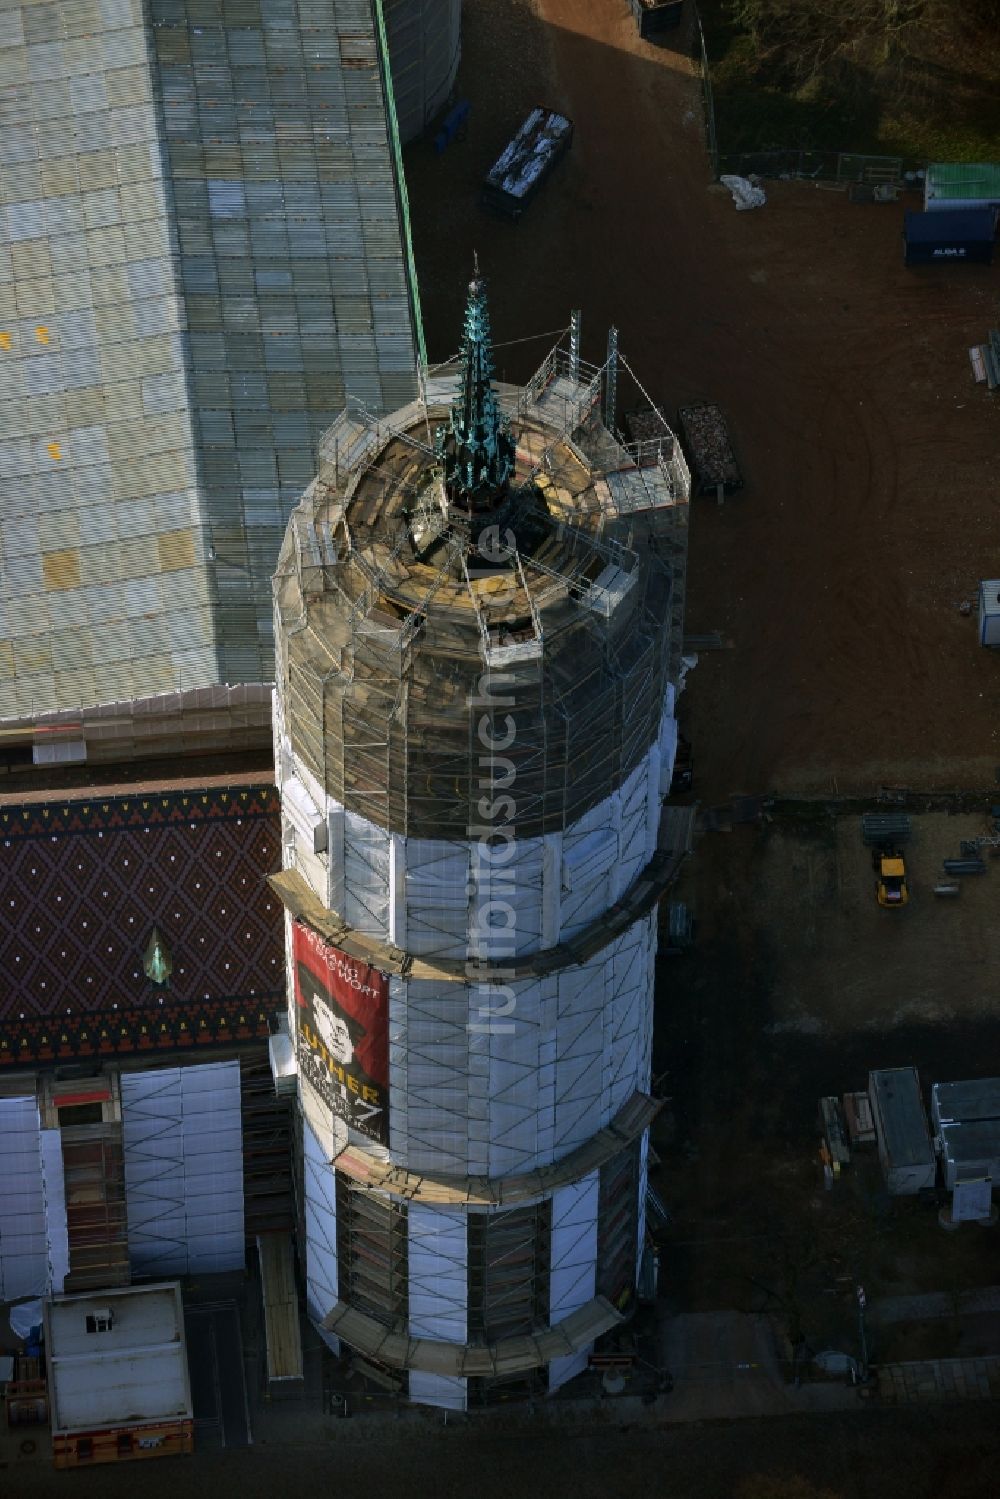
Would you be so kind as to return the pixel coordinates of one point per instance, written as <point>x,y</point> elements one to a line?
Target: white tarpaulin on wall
<point>183,1142</point>
<point>573,1273</point>
<point>496,1081</point>
<point>24,1254</point>
<point>438,1295</point>
<point>54,1190</point>
<point>319,1185</point>
<point>437,897</point>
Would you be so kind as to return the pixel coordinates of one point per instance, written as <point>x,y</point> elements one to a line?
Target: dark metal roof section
<point>83,886</point>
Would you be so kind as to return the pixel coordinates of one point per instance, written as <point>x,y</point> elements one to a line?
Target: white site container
<point>904,1142</point>
<point>989,612</point>
<point>966,1118</point>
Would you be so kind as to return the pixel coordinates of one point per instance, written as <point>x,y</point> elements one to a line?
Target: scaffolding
<point>449,631</point>
<point>392,628</point>
<point>183,1169</point>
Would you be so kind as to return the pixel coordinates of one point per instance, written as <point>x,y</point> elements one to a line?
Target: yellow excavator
<point>884,834</point>
<point>890,881</point>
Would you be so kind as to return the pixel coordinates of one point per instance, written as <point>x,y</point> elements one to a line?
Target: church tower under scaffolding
<point>478,621</point>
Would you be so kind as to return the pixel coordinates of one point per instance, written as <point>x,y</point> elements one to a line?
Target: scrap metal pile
<point>706,438</point>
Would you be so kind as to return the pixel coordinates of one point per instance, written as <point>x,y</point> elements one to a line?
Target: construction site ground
<point>798,984</point>
<point>834,582</point>
<point>871,457</point>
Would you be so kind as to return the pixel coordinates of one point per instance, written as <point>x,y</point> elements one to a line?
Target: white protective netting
<point>24,1259</point>
<point>474,1092</point>
<point>183,1144</point>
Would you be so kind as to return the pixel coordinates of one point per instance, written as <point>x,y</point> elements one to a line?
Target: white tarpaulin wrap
<point>573,1274</point>
<point>54,1188</point>
<point>435,888</point>
<point>366,875</point>
<point>321,1234</point>
<point>438,1291</point>
<point>643,1182</point>
<point>24,1252</point>
<point>448,1391</point>
<point>183,1143</point>
<point>438,1273</point>
<point>745,193</point>
<point>448,899</point>
<point>492,1081</point>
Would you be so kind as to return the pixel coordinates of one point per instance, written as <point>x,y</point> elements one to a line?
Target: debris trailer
<point>705,435</point>
<point>526,161</point>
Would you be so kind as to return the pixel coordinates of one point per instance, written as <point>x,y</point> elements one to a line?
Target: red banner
<point>343,1031</point>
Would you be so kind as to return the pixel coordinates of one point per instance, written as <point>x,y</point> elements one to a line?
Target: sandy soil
<point>871,457</point>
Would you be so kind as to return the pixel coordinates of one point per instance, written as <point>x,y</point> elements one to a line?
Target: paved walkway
<point>935,1304</point>
<point>725,1366</point>
<point>939,1379</point>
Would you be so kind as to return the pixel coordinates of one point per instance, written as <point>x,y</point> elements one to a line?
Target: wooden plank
<point>282,1332</point>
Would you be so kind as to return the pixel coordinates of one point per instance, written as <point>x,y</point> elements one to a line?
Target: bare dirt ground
<point>836,963</point>
<point>797,986</point>
<point>948,1453</point>
<point>871,457</point>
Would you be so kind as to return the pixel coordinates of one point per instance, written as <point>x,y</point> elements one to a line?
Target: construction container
<point>961,184</point>
<point>118,1375</point>
<point>966,1118</point>
<point>950,234</point>
<point>860,1122</point>
<point>526,161</point>
<point>835,1132</point>
<point>654,16</point>
<point>970,1151</point>
<point>904,1142</point>
<point>978,1100</point>
<point>989,613</point>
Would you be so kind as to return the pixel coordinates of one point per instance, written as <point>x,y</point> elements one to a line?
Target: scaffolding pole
<point>611,381</point>
<point>575,319</point>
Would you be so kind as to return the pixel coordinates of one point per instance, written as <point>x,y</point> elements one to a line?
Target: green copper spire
<point>156,961</point>
<point>476,447</point>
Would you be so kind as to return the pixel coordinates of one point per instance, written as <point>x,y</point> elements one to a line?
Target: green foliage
<point>916,78</point>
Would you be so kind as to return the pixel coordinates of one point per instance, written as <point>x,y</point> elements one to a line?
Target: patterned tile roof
<point>82,883</point>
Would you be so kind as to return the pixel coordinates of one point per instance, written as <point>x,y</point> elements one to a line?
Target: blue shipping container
<point>950,234</point>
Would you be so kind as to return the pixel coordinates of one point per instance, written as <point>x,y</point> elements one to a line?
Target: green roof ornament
<point>156,961</point>
<point>476,448</point>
